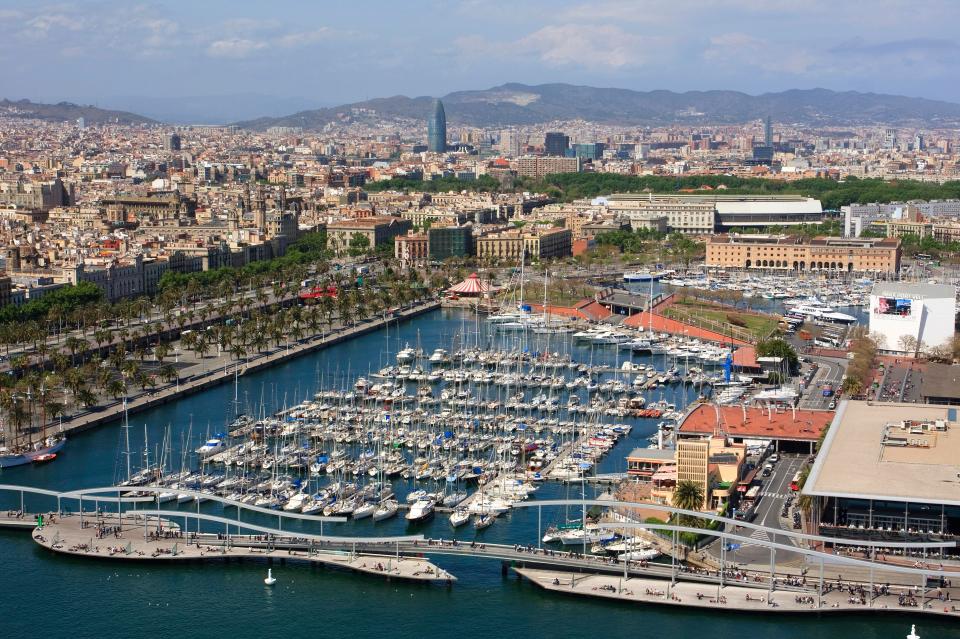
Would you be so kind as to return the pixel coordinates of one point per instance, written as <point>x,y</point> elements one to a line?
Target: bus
<point>795,482</point>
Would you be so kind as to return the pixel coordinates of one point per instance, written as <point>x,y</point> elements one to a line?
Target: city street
<point>830,371</point>
<point>774,492</point>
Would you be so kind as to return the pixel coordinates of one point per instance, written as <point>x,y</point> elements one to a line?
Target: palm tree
<point>168,373</point>
<point>688,495</point>
<point>116,388</point>
<point>75,344</point>
<point>201,346</point>
<point>85,397</point>
<point>161,352</point>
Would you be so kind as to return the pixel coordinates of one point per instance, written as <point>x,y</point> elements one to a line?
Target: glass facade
<point>450,241</point>
<point>437,129</point>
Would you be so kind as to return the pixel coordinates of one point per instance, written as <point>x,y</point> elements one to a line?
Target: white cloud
<point>588,46</point>
<point>234,48</point>
<point>594,47</point>
<point>303,38</point>
<point>744,50</point>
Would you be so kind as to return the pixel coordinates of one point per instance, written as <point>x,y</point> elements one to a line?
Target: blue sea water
<point>55,596</point>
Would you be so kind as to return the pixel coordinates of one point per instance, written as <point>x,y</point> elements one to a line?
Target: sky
<point>278,56</point>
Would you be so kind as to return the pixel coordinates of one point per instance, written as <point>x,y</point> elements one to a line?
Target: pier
<point>146,537</point>
<point>835,582</point>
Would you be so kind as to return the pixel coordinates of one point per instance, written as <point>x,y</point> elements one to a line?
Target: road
<point>774,492</point>
<point>830,371</point>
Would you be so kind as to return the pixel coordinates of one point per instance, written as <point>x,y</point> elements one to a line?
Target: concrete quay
<point>139,538</point>
<point>733,597</point>
<point>225,373</point>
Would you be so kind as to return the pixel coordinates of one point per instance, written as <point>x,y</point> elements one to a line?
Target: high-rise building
<point>768,133</point>
<point>555,143</point>
<point>172,143</point>
<point>437,129</point>
<point>81,124</point>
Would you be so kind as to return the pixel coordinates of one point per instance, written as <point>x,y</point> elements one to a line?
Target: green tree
<point>358,245</point>
<point>776,347</point>
<point>688,495</point>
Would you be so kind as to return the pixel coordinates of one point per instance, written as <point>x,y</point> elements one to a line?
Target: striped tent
<point>470,286</point>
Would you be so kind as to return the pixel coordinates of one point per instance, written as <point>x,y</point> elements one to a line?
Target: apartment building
<point>378,229</point>
<point>537,167</point>
<point>791,252</point>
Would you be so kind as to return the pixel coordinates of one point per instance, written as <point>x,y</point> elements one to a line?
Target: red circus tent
<point>470,286</point>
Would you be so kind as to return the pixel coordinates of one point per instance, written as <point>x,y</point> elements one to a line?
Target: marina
<point>337,416</point>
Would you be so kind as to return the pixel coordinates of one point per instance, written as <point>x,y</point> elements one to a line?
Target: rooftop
<point>941,381</point>
<point>911,290</point>
<point>651,453</point>
<point>756,423</point>
<point>884,452</point>
<point>363,222</point>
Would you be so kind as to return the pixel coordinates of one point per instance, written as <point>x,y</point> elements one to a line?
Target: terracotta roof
<point>584,309</point>
<point>759,424</point>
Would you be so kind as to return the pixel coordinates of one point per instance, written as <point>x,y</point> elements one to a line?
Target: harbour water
<point>61,596</point>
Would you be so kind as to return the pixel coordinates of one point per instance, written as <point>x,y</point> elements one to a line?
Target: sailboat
<point>43,450</point>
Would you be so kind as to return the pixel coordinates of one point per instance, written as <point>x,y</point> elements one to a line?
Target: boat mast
<point>126,434</point>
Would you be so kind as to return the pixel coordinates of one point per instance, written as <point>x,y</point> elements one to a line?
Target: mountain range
<point>521,104</point>
<point>66,111</point>
<point>518,104</point>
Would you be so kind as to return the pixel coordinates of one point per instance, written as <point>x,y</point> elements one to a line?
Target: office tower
<point>437,129</point>
<point>81,124</point>
<point>172,143</point>
<point>768,133</point>
<point>556,144</point>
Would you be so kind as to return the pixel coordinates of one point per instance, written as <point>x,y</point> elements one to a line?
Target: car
<point>774,458</point>
<point>832,405</point>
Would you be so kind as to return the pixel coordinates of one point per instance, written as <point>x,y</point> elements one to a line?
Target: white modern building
<point>905,317</point>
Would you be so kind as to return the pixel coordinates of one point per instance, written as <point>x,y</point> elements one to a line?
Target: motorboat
<point>483,521</point>
<point>212,446</point>
<point>422,510</point>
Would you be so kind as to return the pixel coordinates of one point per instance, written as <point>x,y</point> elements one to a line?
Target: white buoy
<point>913,632</point>
<point>270,580</point>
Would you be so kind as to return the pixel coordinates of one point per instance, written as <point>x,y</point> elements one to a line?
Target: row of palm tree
<point>80,377</point>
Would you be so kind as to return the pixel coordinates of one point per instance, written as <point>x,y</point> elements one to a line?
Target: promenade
<point>139,537</point>
<point>733,596</point>
<point>205,373</point>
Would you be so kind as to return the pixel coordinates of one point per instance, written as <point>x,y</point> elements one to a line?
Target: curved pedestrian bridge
<point>136,528</point>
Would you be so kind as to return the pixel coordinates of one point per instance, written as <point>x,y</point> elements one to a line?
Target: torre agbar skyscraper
<point>437,129</point>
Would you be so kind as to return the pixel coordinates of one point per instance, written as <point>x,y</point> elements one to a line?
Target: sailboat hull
<point>9,461</point>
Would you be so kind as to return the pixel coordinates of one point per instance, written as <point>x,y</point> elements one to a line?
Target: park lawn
<point>759,326</point>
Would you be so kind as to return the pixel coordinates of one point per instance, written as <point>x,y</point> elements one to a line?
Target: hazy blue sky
<point>334,52</point>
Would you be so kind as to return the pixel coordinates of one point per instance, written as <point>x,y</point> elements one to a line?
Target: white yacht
<point>386,510</point>
<point>826,313</point>
<point>364,510</point>
<point>422,510</point>
<point>211,447</point>
<point>459,517</point>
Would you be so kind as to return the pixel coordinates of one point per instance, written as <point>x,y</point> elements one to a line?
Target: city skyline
<point>126,57</point>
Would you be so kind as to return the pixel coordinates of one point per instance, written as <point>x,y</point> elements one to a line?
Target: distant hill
<point>512,104</point>
<point>66,111</point>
